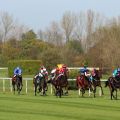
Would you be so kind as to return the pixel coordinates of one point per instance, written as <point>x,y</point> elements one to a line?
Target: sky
<point>38,14</point>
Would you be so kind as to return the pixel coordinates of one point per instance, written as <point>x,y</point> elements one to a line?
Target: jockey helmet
<point>44,70</point>
<point>17,68</point>
<point>59,65</point>
<point>85,65</point>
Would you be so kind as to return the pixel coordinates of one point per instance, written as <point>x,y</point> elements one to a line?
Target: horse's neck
<point>81,77</point>
<point>13,78</point>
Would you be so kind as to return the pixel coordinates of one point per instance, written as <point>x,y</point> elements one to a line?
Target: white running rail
<point>26,83</point>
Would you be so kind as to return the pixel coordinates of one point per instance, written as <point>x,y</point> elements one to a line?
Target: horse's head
<point>98,73</point>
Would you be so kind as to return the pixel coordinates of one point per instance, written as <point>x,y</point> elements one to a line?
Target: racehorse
<point>96,81</point>
<point>16,82</point>
<point>40,84</point>
<point>59,82</point>
<point>113,85</point>
<point>83,84</point>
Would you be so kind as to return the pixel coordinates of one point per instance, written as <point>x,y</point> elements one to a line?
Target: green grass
<point>72,107</point>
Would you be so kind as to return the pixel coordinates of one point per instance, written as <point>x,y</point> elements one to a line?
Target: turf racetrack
<point>72,107</point>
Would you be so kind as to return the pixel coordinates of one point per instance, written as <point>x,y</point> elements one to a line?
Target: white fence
<point>26,83</point>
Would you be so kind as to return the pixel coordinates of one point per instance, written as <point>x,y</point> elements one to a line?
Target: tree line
<point>78,37</point>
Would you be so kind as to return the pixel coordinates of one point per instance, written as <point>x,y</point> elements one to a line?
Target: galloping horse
<point>96,81</point>
<point>16,82</point>
<point>40,84</point>
<point>113,85</point>
<point>59,82</point>
<point>83,84</point>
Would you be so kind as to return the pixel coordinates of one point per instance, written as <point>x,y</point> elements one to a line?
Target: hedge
<point>29,67</point>
<point>73,73</point>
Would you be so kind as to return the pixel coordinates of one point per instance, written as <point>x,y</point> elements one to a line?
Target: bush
<point>28,66</point>
<point>72,75</point>
<point>72,85</point>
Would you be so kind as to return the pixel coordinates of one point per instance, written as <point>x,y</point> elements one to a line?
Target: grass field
<point>72,107</point>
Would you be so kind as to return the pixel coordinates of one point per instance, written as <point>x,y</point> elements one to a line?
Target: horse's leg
<point>39,87</point>
<point>21,86</point>
<point>112,95</point>
<point>66,88</point>
<point>89,91</point>
<point>102,90</point>
<point>60,92</point>
<point>44,93</point>
<point>18,87</point>
<point>14,88</point>
<point>56,92</point>
<point>83,91</point>
<point>116,94</point>
<point>43,88</point>
<point>35,89</point>
<point>79,91</point>
<point>94,91</point>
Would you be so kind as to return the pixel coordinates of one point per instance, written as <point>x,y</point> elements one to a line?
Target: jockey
<point>116,73</point>
<point>92,74</point>
<point>18,71</point>
<point>53,73</point>
<point>43,71</point>
<point>61,69</point>
<point>56,71</point>
<point>84,71</point>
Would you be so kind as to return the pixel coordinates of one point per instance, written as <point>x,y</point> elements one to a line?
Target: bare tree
<point>79,30</point>
<point>53,34</point>
<point>93,22</point>
<point>40,34</point>
<point>68,24</point>
<point>18,31</point>
<point>7,24</point>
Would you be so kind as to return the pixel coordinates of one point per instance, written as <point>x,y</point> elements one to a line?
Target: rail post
<point>3,85</point>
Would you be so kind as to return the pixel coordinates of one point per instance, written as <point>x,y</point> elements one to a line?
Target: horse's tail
<point>34,80</point>
<point>110,79</point>
<point>106,83</point>
<point>49,81</point>
<point>76,82</point>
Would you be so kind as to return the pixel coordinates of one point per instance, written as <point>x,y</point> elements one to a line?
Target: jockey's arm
<point>87,74</point>
<point>20,72</point>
